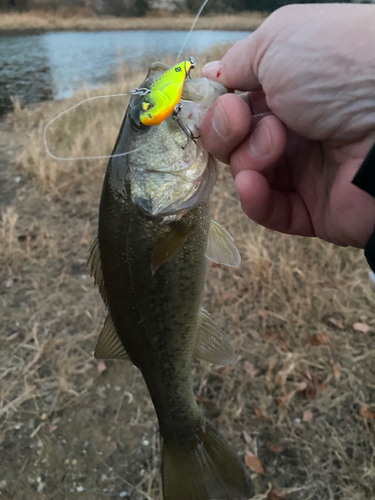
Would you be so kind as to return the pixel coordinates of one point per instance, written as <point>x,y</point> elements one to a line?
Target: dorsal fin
<point>213,345</point>
<point>96,269</point>
<point>109,345</point>
<point>220,246</point>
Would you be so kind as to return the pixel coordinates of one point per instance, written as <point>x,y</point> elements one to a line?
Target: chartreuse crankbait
<point>165,94</point>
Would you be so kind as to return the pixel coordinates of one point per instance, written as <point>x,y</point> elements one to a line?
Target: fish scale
<point>157,323</point>
<point>150,267</point>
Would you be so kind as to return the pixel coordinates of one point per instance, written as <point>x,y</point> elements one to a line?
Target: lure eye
<point>146,106</point>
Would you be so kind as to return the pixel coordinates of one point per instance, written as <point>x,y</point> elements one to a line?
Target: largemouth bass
<point>149,261</point>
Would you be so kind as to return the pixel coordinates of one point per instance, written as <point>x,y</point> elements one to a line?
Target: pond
<point>51,66</point>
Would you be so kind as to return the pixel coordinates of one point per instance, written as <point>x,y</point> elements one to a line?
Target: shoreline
<point>37,24</point>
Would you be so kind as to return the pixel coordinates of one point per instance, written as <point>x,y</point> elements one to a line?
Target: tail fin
<point>208,469</point>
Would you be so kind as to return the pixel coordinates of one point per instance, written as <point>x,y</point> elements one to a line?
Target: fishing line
<point>134,92</point>
<point>83,157</point>
<point>191,29</point>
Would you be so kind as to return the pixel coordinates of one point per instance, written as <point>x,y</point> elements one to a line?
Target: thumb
<point>238,68</point>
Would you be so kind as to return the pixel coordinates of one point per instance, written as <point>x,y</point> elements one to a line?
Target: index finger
<point>238,68</point>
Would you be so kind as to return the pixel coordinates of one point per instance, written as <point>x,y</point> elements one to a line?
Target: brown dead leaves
<point>276,495</point>
<point>309,389</point>
<point>307,416</point>
<point>358,326</point>
<point>366,413</point>
<point>53,425</point>
<point>273,338</point>
<point>253,463</point>
<point>337,323</point>
<point>361,327</point>
<point>101,366</point>
<point>250,368</point>
<point>9,283</point>
<point>275,448</point>
<point>293,377</point>
<point>247,437</point>
<point>321,339</point>
<point>313,387</point>
<point>258,412</point>
<point>226,369</point>
<point>286,398</point>
<point>336,371</point>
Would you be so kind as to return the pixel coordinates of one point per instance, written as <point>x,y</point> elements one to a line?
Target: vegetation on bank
<point>143,7</point>
<point>48,21</point>
<point>299,401</point>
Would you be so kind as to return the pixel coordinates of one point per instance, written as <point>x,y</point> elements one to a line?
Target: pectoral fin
<point>169,245</point>
<point>96,269</point>
<point>109,345</point>
<point>220,246</point>
<point>213,345</point>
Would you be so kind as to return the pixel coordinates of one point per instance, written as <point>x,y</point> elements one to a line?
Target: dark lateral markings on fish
<point>149,262</point>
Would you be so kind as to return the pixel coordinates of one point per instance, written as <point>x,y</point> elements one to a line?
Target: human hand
<point>297,138</point>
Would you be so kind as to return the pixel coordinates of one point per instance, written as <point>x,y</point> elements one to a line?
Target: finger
<point>258,106</point>
<point>263,149</point>
<point>238,68</point>
<point>225,126</point>
<point>258,103</point>
<point>277,210</point>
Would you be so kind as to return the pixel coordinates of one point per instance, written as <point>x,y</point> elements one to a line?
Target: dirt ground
<point>298,403</point>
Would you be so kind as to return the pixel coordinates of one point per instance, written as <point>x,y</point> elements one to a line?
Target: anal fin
<point>220,246</point>
<point>213,345</point>
<point>109,345</point>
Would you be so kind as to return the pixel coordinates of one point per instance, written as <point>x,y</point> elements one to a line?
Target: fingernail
<point>211,70</point>
<point>220,122</point>
<point>260,140</point>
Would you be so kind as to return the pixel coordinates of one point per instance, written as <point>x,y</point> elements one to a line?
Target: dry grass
<point>46,21</point>
<point>71,430</point>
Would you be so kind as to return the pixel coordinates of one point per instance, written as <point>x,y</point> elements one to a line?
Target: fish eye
<point>136,124</point>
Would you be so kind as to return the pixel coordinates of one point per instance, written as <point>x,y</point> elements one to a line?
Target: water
<point>51,66</point>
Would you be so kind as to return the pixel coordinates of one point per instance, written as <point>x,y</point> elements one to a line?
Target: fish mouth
<point>135,122</point>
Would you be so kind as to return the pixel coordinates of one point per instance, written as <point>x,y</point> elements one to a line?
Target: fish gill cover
<point>169,172</point>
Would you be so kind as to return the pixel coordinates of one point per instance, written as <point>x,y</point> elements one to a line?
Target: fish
<point>149,261</point>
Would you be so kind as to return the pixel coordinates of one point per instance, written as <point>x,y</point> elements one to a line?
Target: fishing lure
<point>165,94</point>
<point>189,134</point>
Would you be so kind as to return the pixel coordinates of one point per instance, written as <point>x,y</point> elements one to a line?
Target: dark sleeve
<point>370,251</point>
<point>365,179</point>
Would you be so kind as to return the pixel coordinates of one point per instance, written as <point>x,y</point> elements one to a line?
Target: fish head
<point>169,170</point>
